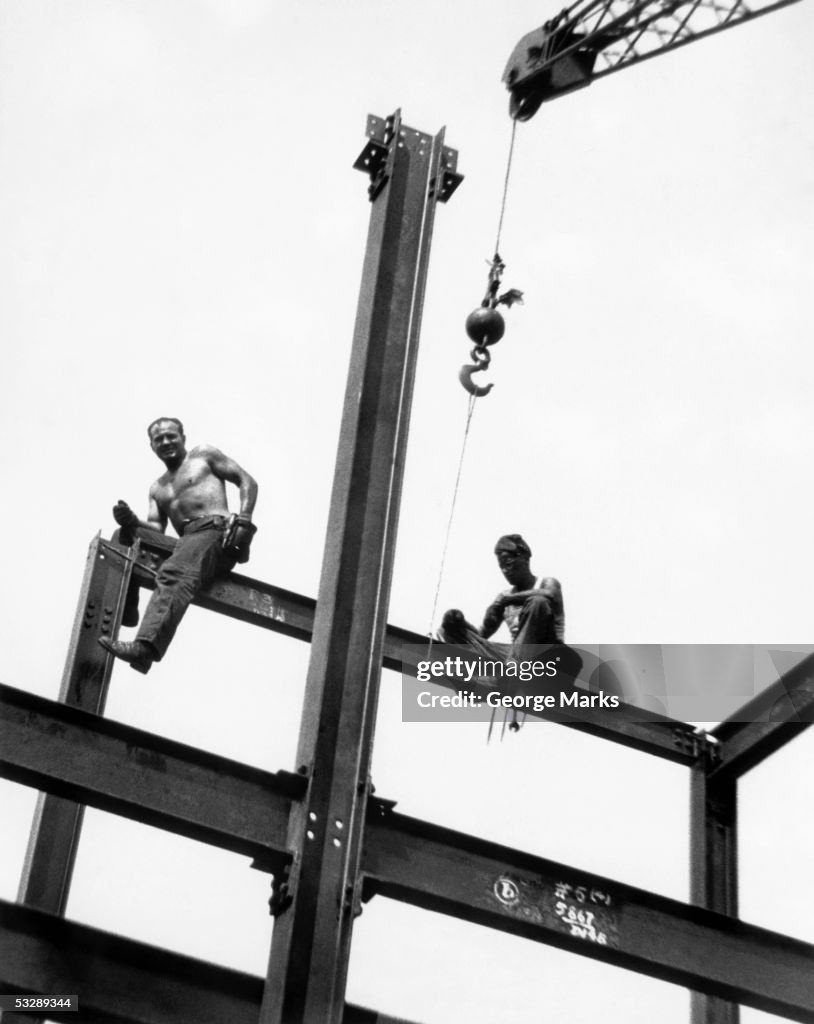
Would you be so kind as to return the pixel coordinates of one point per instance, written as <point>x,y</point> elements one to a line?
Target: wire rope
<point>469,410</point>
<point>505,186</point>
<point>470,407</point>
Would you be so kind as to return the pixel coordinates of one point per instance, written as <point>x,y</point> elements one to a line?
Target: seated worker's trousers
<point>538,626</point>
<point>537,623</point>
<point>198,560</point>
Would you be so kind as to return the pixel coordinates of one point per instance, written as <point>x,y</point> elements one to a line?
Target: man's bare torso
<point>190,491</point>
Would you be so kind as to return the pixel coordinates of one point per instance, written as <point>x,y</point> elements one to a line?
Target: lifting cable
<point>484,326</point>
<point>470,408</point>
<point>505,186</point>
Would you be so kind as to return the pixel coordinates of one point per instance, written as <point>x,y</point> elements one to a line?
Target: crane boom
<point>593,38</point>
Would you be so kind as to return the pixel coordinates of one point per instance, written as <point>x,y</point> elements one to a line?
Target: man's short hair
<point>165,419</point>
<point>516,541</point>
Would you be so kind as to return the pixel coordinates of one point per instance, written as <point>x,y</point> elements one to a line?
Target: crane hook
<point>482,359</point>
<point>485,326</point>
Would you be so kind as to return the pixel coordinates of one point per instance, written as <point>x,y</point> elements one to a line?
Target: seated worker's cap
<point>513,541</point>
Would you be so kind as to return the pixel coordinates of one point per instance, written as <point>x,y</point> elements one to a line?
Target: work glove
<point>242,539</point>
<point>124,515</point>
<point>452,619</point>
<point>454,627</point>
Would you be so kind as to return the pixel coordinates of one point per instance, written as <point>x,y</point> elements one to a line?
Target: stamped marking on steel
<point>583,911</point>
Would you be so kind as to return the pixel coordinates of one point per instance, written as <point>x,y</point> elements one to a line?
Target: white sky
<point>182,233</point>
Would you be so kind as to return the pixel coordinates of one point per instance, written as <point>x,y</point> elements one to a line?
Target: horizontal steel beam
<point>456,874</point>
<point>193,793</point>
<point>763,725</point>
<point>261,604</point>
<point>121,981</point>
<point>283,611</point>
<point>628,725</point>
<point>238,597</point>
<point>752,743</point>
<point>113,767</point>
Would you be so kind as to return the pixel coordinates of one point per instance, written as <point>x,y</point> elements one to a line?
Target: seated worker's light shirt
<point>553,591</point>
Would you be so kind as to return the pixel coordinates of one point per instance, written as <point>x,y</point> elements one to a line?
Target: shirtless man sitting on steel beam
<point>191,495</point>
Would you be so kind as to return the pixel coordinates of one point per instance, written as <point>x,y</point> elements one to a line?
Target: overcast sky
<point>182,233</point>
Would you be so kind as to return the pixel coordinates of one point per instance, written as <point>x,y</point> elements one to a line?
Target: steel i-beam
<point>57,823</point>
<point>55,830</point>
<point>473,880</point>
<point>206,797</point>
<point>410,171</point>
<point>713,867</point>
<point>282,611</point>
<point>116,768</point>
<point>122,981</point>
<point>768,721</point>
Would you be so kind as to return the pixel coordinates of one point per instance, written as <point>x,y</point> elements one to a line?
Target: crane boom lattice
<point>593,38</point>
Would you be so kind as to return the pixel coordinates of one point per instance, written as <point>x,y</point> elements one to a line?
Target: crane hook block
<point>485,325</point>
<point>465,377</point>
<point>482,359</point>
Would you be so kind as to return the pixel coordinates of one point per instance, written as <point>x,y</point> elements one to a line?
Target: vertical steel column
<point>713,867</point>
<point>57,823</point>
<point>315,905</point>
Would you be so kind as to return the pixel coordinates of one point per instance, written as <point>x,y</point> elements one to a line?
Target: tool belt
<point>230,537</point>
<point>207,523</point>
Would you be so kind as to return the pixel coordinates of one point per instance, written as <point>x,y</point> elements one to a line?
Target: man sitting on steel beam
<point>532,607</point>
<point>191,495</point>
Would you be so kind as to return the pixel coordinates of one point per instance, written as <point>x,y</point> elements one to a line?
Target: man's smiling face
<point>167,441</point>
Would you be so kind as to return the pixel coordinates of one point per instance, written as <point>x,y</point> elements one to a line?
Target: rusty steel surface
<point>488,884</point>
<point>237,596</point>
<point>764,724</point>
<point>57,825</point>
<point>311,941</point>
<point>122,981</point>
<point>146,778</point>
<point>713,869</point>
<point>283,611</point>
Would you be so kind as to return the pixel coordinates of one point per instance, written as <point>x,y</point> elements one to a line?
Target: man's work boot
<point>137,653</point>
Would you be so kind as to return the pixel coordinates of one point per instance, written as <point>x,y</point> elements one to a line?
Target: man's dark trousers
<point>198,560</point>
